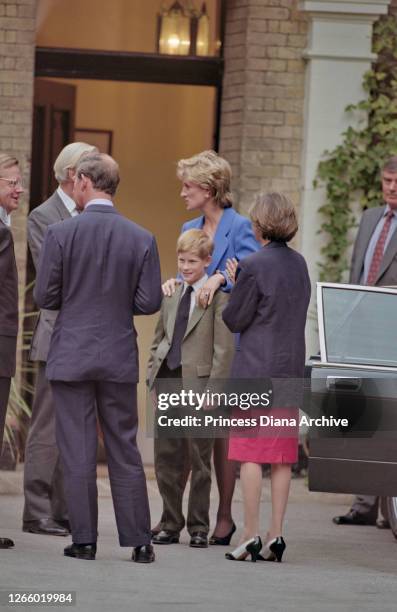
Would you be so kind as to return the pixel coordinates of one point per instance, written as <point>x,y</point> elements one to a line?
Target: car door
<point>354,379</point>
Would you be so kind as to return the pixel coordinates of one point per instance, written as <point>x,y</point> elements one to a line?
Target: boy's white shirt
<point>196,287</point>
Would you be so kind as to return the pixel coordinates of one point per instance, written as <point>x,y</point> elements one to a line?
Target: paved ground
<point>327,568</point>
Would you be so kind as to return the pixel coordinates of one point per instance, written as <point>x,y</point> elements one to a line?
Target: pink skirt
<point>270,444</point>
<point>263,450</point>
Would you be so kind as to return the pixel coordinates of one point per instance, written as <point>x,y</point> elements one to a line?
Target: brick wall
<point>17,39</point>
<point>393,7</point>
<point>262,112</point>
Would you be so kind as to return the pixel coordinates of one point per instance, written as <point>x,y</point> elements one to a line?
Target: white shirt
<point>196,287</point>
<point>68,201</point>
<point>101,201</point>
<point>5,217</point>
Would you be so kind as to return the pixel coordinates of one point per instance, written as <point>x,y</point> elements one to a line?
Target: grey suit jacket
<point>268,305</point>
<point>207,347</point>
<point>388,270</point>
<point>98,269</point>
<point>8,303</point>
<point>51,211</point>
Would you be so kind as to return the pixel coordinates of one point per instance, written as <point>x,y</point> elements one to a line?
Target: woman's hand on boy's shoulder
<point>207,291</point>
<point>170,285</point>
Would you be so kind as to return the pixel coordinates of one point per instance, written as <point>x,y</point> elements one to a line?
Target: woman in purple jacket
<point>268,307</point>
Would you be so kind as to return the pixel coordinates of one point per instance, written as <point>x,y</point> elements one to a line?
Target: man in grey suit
<point>374,262</point>
<point>45,507</point>
<point>10,191</point>
<point>98,269</point>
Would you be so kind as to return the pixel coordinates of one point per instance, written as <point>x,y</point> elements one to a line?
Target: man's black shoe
<point>199,539</point>
<point>352,518</point>
<point>143,554</point>
<point>165,537</point>
<point>46,526</point>
<point>6,543</point>
<point>81,551</point>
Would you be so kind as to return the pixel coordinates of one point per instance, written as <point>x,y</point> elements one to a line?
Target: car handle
<point>346,383</point>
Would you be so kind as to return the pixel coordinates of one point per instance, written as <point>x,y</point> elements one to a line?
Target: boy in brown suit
<point>190,343</point>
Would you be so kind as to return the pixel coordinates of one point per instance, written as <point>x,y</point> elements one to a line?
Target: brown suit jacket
<point>388,270</point>
<point>8,303</point>
<point>207,347</point>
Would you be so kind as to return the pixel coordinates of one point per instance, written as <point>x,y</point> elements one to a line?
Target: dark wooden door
<point>53,128</point>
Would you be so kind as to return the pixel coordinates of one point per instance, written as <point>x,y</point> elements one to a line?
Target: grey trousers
<point>43,479</point>
<point>76,433</point>
<point>367,505</point>
<point>4,394</point>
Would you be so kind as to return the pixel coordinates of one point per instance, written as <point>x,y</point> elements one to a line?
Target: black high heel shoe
<point>250,547</point>
<point>276,548</point>
<point>225,540</point>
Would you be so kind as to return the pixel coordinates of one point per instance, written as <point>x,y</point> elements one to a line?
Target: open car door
<point>355,378</point>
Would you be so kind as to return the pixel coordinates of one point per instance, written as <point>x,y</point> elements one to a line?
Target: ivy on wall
<point>351,172</point>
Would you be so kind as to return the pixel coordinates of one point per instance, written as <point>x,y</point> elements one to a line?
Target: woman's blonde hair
<point>196,241</point>
<point>209,171</point>
<point>275,217</point>
<point>69,158</point>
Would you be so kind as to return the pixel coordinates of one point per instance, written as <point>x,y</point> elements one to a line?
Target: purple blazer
<point>98,269</point>
<point>268,306</point>
<point>8,304</point>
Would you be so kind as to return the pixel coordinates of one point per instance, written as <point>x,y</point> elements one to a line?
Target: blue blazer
<point>233,238</point>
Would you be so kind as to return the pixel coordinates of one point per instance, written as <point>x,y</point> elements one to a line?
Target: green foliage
<point>351,172</point>
<point>18,409</point>
<point>15,409</point>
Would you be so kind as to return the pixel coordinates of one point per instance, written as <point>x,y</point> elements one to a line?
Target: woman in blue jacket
<point>206,181</point>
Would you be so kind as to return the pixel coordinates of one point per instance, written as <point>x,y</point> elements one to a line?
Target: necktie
<point>174,356</point>
<point>378,252</point>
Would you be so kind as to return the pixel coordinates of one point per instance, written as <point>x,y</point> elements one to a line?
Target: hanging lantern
<point>203,32</point>
<point>174,30</point>
<point>182,29</point>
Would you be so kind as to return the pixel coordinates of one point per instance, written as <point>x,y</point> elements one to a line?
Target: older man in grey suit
<point>374,262</point>
<point>45,507</point>
<point>99,269</point>
<point>10,191</point>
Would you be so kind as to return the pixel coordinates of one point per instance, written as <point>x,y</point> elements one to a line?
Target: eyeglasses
<point>13,182</point>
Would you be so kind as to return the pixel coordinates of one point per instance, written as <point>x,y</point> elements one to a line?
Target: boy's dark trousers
<point>171,458</point>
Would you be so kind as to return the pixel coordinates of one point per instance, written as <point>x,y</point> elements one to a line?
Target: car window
<point>359,325</point>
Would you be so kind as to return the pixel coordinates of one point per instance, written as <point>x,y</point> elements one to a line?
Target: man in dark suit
<point>10,191</point>
<point>98,269</point>
<point>45,506</point>
<point>374,262</point>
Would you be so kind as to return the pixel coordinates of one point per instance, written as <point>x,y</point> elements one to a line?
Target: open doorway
<point>155,110</point>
